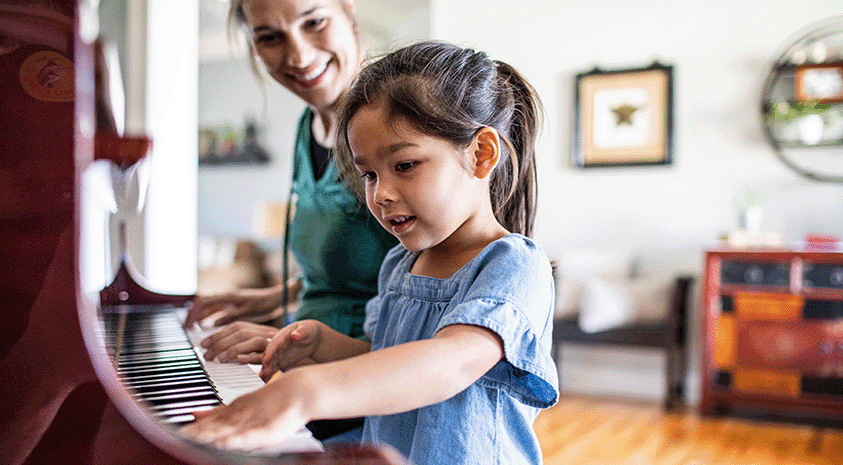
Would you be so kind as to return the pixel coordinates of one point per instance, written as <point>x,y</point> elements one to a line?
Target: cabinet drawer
<point>753,273</point>
<point>776,382</point>
<point>815,348</point>
<point>766,306</point>
<point>822,275</point>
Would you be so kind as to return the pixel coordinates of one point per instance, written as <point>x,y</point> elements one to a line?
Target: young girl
<point>439,141</point>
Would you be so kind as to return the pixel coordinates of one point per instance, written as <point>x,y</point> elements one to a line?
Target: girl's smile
<point>400,224</point>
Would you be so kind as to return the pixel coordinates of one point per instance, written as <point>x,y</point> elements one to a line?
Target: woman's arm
<point>387,381</point>
<point>242,304</point>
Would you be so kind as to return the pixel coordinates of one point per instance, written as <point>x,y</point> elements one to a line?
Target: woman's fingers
<point>253,358</point>
<point>237,338</point>
<point>238,310</point>
<point>203,307</point>
<point>254,345</point>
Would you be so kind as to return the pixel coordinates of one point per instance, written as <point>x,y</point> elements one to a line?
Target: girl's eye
<point>369,175</point>
<point>404,166</point>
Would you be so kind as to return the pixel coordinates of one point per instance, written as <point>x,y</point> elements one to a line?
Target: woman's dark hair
<point>451,92</point>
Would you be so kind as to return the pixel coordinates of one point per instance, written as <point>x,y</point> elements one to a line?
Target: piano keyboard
<point>161,366</point>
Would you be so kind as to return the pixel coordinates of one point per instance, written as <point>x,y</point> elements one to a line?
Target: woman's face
<point>309,46</point>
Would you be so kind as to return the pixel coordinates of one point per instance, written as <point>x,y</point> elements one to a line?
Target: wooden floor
<point>586,431</point>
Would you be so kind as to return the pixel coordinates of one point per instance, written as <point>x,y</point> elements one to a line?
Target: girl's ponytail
<point>516,197</point>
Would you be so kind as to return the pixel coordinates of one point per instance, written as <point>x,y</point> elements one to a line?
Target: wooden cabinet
<point>773,332</point>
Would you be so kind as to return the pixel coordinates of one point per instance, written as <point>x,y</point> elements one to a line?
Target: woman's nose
<point>300,52</point>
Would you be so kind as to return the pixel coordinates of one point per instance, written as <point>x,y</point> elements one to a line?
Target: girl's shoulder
<point>516,250</point>
<point>513,265</point>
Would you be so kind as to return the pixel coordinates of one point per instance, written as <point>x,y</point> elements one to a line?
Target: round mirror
<point>802,102</point>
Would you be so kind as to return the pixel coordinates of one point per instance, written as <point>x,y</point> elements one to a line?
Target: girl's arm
<point>387,381</point>
<point>403,377</point>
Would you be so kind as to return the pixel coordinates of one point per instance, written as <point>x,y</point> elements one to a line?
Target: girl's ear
<point>487,151</point>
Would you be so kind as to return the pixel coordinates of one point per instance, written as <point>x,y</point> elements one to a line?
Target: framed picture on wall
<point>823,82</point>
<point>624,117</point>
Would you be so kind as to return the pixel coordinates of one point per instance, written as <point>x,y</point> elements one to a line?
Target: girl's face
<point>309,46</point>
<point>419,187</point>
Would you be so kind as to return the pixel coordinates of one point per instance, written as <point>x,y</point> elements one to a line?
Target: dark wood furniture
<point>773,333</point>
<point>669,335</point>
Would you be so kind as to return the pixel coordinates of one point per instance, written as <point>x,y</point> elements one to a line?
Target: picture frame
<point>624,117</point>
<point>819,82</point>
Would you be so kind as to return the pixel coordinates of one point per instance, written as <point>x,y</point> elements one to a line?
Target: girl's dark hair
<point>451,92</point>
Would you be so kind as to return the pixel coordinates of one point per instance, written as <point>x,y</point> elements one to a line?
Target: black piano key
<point>145,390</point>
<point>188,406</point>
<point>163,401</point>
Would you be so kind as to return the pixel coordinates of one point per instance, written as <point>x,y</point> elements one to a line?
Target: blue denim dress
<point>508,289</point>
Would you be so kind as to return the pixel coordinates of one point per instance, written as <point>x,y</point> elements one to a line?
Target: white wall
<point>720,50</point>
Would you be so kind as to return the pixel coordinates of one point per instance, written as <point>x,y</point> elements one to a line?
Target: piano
<point>104,377</point>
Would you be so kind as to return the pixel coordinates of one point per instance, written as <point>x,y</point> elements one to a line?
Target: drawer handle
<point>827,347</point>
<point>836,277</point>
<point>754,274</point>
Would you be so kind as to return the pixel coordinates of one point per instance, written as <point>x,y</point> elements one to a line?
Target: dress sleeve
<point>512,294</point>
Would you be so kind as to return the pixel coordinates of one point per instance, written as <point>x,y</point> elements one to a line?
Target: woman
<point>312,48</point>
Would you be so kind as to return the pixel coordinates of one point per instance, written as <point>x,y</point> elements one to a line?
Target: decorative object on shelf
<point>225,145</point>
<point>624,117</point>
<point>822,82</point>
<point>802,102</point>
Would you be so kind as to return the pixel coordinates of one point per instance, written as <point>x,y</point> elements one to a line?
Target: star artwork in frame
<point>623,117</point>
<point>624,113</point>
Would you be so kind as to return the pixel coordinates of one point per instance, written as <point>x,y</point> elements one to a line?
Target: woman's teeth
<point>313,74</point>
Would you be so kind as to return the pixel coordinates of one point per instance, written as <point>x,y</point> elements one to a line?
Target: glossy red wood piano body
<point>57,403</point>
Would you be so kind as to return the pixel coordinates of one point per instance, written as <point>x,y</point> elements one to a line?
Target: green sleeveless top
<point>337,243</point>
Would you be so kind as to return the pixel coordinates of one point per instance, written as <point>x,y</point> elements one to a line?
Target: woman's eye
<point>404,166</point>
<point>267,38</point>
<point>314,23</point>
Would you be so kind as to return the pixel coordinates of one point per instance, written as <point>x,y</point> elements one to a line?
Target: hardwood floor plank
<point>585,431</point>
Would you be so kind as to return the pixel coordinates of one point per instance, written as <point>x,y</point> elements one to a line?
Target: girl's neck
<point>447,257</point>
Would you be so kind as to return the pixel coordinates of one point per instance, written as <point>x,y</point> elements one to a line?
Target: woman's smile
<point>310,78</point>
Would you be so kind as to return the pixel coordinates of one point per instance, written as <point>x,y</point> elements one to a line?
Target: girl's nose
<point>383,193</point>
